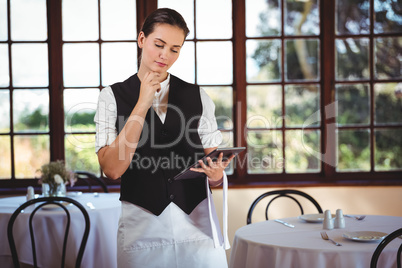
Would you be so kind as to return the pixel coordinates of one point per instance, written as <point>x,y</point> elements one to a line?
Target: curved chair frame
<point>381,246</point>
<point>45,201</point>
<point>281,193</point>
<point>93,177</point>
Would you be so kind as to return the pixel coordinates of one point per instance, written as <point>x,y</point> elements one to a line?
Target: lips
<point>160,64</point>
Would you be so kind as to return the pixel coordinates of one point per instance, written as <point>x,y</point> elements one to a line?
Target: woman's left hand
<point>214,169</point>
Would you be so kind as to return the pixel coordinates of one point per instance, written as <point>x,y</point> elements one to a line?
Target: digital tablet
<point>227,152</point>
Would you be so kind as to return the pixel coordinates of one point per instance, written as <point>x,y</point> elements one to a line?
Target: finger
<point>210,162</point>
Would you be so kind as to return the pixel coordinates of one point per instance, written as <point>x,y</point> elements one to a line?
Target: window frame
<point>240,178</point>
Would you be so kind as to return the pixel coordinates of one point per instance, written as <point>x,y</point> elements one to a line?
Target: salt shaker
<point>328,221</point>
<point>30,193</point>
<point>339,219</point>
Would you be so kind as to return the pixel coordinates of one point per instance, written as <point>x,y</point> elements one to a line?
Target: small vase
<point>53,189</point>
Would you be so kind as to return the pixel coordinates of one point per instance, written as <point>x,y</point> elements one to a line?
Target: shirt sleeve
<point>208,128</point>
<point>105,119</point>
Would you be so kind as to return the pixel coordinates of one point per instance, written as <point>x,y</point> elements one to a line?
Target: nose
<point>163,54</point>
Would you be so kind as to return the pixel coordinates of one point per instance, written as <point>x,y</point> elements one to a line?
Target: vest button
<point>170,180</point>
<point>164,132</point>
<point>171,196</point>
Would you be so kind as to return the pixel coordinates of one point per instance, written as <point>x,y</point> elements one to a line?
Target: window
<point>313,88</point>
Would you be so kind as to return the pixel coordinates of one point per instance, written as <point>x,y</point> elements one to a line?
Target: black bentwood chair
<point>381,246</point>
<point>281,193</point>
<point>91,179</point>
<point>41,202</point>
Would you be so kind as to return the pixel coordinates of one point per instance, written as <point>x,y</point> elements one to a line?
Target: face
<point>160,49</point>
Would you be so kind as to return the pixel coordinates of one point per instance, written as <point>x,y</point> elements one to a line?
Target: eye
<point>175,51</point>
<point>160,46</point>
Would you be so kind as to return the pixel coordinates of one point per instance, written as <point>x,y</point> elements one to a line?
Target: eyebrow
<point>166,43</point>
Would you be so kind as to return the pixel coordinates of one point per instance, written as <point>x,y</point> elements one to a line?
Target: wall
<point>384,200</point>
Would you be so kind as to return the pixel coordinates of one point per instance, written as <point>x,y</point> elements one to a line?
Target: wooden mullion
<point>328,140</point>
<point>239,84</point>
<point>56,112</point>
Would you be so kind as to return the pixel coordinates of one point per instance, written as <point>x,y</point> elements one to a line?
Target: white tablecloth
<point>271,244</point>
<point>101,248</point>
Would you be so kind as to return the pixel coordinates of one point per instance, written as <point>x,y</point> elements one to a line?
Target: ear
<point>141,39</point>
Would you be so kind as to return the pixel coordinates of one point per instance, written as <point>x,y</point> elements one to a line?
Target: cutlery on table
<point>285,223</point>
<point>359,218</point>
<point>325,237</point>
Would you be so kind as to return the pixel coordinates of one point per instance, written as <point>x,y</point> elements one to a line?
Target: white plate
<point>316,218</point>
<point>365,236</point>
<point>54,206</point>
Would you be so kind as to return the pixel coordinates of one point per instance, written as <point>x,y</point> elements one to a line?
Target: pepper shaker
<point>339,219</point>
<point>328,221</point>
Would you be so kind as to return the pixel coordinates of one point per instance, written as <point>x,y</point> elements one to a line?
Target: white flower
<point>58,179</point>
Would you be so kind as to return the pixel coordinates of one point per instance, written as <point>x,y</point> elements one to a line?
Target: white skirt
<point>172,239</point>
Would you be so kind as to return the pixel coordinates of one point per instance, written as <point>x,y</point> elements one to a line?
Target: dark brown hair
<point>164,16</point>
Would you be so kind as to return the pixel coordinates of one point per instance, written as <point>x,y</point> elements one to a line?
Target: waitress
<point>149,128</point>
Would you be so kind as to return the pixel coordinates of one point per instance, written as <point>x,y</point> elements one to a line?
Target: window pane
<point>388,58</point>
<point>184,67</point>
<point>388,149</point>
<point>227,141</point>
<point>223,100</point>
<point>4,67</point>
<point>5,111</point>
<point>30,65</point>
<point>264,106</point>
<point>28,20</point>
<point>263,60</point>
<point>352,59</point>
<point>80,20</point>
<point>210,56</point>
<point>387,16</point>
<point>5,157</point>
<point>118,20</point>
<point>264,150</point>
<point>119,62</point>
<point>3,21</point>
<point>298,159</point>
<point>31,152</point>
<point>263,18</point>
<point>352,17</point>
<point>388,103</point>
<point>353,104</point>
<point>80,154</point>
<point>79,109</point>
<point>302,103</point>
<point>302,60</point>
<point>302,17</point>
<point>31,110</point>
<point>353,150</point>
<point>185,8</point>
<point>207,18</point>
<point>81,65</point>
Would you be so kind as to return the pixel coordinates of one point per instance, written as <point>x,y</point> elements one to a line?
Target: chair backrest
<point>88,178</point>
<point>381,246</point>
<point>43,201</point>
<point>281,193</point>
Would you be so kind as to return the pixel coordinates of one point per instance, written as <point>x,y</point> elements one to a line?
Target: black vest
<point>164,149</point>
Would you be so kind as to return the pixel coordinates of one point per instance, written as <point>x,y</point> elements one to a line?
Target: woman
<point>149,128</point>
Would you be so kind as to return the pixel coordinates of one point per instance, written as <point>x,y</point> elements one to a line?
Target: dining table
<point>276,245</point>
<point>101,249</point>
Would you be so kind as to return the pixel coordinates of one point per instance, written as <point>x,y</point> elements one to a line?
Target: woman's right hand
<point>149,85</point>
